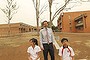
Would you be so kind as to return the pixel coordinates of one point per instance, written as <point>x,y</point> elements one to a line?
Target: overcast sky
<point>26,11</point>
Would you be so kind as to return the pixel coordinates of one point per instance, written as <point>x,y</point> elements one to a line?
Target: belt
<point>47,43</point>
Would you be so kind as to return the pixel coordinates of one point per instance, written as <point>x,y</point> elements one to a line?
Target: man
<point>46,41</point>
<point>66,52</point>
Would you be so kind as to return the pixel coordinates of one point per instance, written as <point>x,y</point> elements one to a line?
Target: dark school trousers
<point>48,48</point>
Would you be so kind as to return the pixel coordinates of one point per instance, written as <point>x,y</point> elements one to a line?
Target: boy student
<point>65,51</point>
<point>33,50</point>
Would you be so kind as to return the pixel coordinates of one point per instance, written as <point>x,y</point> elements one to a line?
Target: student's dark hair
<point>34,41</point>
<point>44,21</point>
<point>64,40</point>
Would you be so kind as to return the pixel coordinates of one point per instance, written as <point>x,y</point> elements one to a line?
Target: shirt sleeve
<point>39,49</point>
<point>41,38</point>
<point>28,51</point>
<point>72,52</point>
<point>60,52</point>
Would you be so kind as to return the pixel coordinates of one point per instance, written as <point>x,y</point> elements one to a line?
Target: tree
<point>39,11</point>
<point>9,11</point>
<point>50,12</point>
<point>58,11</point>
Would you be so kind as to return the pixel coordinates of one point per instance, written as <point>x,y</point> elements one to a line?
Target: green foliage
<point>54,28</point>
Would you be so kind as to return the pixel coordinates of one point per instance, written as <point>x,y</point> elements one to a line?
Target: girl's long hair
<point>34,41</point>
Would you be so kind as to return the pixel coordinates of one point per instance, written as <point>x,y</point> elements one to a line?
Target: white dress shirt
<point>43,36</point>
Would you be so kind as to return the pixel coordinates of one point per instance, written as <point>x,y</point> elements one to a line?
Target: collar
<point>46,28</point>
<point>65,47</point>
<point>34,47</point>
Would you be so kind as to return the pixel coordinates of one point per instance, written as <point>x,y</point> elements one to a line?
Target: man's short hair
<point>44,21</point>
<point>64,40</point>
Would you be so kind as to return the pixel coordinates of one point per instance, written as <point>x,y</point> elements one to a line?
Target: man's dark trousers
<point>48,48</point>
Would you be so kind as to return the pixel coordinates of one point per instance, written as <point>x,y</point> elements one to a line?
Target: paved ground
<point>80,42</point>
<point>14,48</point>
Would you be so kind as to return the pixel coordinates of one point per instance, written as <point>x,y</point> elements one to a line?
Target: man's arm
<point>41,38</point>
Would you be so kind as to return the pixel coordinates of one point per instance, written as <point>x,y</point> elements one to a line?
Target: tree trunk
<point>8,27</point>
<point>50,14</point>
<point>37,18</point>
<point>37,15</point>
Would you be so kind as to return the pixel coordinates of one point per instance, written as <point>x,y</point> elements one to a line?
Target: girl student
<point>34,50</point>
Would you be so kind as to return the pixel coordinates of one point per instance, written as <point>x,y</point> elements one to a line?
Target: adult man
<point>46,40</point>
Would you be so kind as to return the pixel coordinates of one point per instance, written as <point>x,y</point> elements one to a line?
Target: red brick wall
<point>71,16</point>
<point>15,28</point>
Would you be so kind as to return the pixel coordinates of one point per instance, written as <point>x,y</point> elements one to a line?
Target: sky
<point>26,11</point>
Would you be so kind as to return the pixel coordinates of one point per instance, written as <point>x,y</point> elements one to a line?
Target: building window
<point>79,23</point>
<point>79,28</point>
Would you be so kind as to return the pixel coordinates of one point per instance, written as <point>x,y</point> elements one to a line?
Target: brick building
<point>74,22</point>
<point>16,28</point>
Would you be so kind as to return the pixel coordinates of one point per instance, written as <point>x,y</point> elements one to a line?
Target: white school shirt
<point>33,52</point>
<point>66,53</point>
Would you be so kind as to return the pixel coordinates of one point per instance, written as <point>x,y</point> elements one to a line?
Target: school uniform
<point>33,52</point>
<point>66,53</point>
